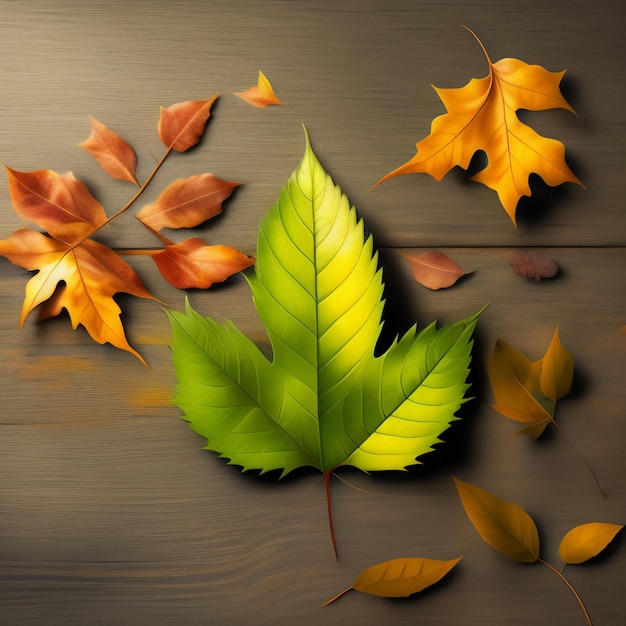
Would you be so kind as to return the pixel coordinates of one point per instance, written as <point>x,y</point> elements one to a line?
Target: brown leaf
<point>434,269</point>
<point>113,154</point>
<point>182,125</point>
<point>532,264</point>
<point>504,525</point>
<point>586,541</point>
<point>92,274</point>
<point>60,204</point>
<point>187,202</point>
<point>194,264</point>
<point>260,96</point>
<point>400,578</point>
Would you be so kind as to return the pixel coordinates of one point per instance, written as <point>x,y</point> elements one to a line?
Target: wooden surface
<point>111,512</point>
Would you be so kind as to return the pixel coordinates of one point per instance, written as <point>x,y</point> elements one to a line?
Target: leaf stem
<point>337,596</point>
<point>560,575</point>
<point>584,460</point>
<point>137,251</point>
<point>140,190</point>
<point>480,43</point>
<point>331,526</point>
<point>128,204</point>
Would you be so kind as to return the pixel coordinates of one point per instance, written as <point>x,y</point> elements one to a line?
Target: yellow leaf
<point>504,525</point>
<point>482,116</point>
<point>557,371</point>
<point>586,541</point>
<point>400,578</point>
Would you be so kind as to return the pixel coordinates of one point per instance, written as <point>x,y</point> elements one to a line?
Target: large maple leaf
<point>482,115</point>
<point>324,399</point>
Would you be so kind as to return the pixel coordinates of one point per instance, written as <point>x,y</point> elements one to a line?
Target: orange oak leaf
<point>399,578</point>
<point>114,155</point>
<point>182,125</point>
<point>482,116</point>
<point>192,264</point>
<point>532,263</point>
<point>92,274</point>
<point>60,204</point>
<point>187,202</point>
<point>586,541</point>
<point>260,96</point>
<point>527,391</point>
<point>434,269</point>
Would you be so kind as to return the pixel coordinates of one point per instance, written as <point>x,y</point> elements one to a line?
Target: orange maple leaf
<point>91,273</point>
<point>482,116</point>
<point>260,96</point>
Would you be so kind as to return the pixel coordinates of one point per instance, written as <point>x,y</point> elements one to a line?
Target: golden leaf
<point>586,541</point>
<point>482,116</point>
<point>504,525</point>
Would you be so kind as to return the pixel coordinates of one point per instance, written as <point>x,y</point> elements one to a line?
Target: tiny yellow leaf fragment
<point>260,96</point>
<point>504,525</point>
<point>400,578</point>
<point>586,541</point>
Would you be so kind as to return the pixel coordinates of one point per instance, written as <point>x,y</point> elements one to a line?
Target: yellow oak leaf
<point>482,116</point>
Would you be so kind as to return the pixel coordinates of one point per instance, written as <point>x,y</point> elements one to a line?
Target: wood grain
<point>111,512</point>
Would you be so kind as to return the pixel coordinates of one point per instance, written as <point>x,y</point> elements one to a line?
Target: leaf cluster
<point>76,272</point>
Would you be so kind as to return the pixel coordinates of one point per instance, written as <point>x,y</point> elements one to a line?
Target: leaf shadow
<point>532,210</point>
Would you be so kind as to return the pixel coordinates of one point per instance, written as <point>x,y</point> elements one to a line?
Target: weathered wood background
<point>110,511</point>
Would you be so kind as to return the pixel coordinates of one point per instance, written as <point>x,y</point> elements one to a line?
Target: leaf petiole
<point>341,593</point>
<point>573,447</point>
<point>331,526</point>
<point>562,577</point>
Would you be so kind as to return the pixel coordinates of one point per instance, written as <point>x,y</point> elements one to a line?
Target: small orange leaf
<point>60,204</point>
<point>586,541</point>
<point>192,264</point>
<point>113,154</point>
<point>557,371</point>
<point>482,116</point>
<point>400,578</point>
<point>434,269</point>
<point>182,125</point>
<point>187,202</point>
<point>504,525</point>
<point>532,264</point>
<point>260,96</point>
